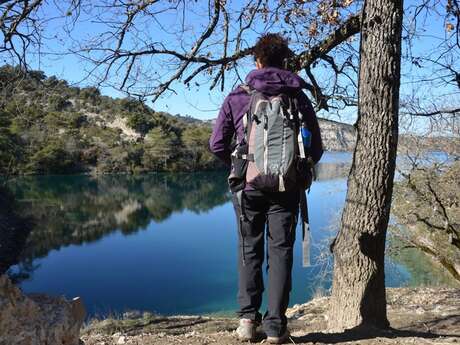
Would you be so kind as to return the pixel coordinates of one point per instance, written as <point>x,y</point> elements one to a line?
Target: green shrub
<point>10,152</point>
<point>131,105</point>
<point>51,159</point>
<point>91,95</point>
<point>59,103</point>
<point>140,122</point>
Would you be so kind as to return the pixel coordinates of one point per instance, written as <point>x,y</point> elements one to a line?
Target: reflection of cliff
<point>78,209</point>
<point>331,171</point>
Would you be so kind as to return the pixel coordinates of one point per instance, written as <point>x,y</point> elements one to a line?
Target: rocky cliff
<point>337,136</point>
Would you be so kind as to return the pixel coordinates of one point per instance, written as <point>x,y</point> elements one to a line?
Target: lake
<point>167,243</point>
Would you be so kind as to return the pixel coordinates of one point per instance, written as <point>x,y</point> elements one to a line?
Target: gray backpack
<point>268,156</point>
<point>271,156</point>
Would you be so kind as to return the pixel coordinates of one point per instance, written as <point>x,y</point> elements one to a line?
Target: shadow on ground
<point>357,335</point>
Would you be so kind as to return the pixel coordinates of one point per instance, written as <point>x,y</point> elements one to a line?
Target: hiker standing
<point>270,169</point>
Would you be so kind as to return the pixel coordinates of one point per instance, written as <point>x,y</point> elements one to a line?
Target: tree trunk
<point>358,292</point>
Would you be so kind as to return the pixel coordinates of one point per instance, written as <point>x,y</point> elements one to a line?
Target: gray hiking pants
<point>278,213</point>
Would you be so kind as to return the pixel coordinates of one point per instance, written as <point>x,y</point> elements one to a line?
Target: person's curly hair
<point>272,50</point>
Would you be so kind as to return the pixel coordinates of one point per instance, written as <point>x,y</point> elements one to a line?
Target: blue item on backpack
<point>306,137</point>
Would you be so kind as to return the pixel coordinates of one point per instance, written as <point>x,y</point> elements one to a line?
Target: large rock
<point>38,319</point>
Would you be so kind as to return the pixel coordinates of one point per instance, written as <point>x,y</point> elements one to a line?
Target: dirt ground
<point>418,316</point>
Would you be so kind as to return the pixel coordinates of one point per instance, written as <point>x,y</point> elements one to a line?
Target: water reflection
<point>77,217</point>
<point>81,209</point>
<point>14,230</point>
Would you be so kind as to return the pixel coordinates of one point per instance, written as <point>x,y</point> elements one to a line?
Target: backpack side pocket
<point>237,177</point>
<point>305,173</point>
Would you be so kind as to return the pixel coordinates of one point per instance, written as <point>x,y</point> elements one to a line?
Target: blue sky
<point>199,101</point>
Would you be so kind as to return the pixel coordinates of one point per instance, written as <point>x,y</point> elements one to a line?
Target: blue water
<point>165,243</point>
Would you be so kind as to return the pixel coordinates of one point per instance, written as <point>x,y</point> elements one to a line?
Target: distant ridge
<point>50,127</point>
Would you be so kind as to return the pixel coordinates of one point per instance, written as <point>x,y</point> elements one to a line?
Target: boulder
<point>38,319</point>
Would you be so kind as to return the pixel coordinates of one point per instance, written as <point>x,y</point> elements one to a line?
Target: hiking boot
<point>247,330</point>
<point>279,340</point>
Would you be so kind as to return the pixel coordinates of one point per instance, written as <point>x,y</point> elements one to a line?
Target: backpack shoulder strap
<point>247,117</point>
<point>246,88</point>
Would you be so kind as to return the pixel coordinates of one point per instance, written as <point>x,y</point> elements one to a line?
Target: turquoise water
<point>160,242</point>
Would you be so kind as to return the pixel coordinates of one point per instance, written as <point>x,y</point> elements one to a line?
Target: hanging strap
<point>305,229</point>
<point>294,109</point>
<point>247,117</point>
<point>300,144</point>
<point>241,219</point>
<point>298,116</point>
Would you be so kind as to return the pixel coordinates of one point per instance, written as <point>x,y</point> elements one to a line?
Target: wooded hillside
<point>47,126</point>
<point>50,127</point>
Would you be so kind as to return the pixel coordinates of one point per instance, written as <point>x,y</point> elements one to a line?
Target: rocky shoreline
<point>418,316</point>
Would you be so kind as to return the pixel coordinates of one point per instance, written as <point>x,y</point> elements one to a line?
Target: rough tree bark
<point>358,292</point>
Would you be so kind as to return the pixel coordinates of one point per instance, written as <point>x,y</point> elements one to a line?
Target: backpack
<point>271,156</point>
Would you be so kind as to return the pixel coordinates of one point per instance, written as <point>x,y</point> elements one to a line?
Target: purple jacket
<point>270,81</point>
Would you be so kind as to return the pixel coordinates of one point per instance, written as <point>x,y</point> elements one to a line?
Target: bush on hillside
<point>140,122</point>
<point>51,159</point>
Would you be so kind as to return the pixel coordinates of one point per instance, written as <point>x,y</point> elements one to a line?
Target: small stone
<point>121,340</point>
<point>78,309</point>
<point>133,314</point>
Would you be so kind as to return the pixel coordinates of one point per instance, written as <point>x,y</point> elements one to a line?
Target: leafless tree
<point>146,47</point>
<point>426,201</point>
<point>23,26</point>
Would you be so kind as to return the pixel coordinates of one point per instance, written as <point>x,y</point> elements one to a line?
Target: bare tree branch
<point>454,111</point>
